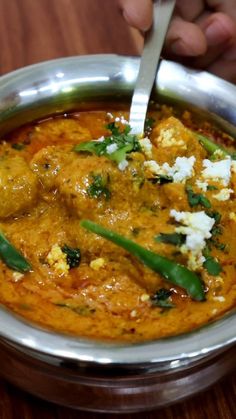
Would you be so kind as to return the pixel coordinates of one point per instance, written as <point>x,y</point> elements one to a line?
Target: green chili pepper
<point>11,257</point>
<point>211,147</point>
<point>173,272</point>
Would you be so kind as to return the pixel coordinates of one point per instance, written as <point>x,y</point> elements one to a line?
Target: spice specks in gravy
<point>108,236</point>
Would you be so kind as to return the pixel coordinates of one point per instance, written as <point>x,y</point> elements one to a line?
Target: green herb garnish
<point>124,141</point>
<point>12,257</point>
<point>18,146</point>
<point>212,188</point>
<point>73,256</point>
<point>211,147</point>
<point>212,266</point>
<point>81,310</point>
<point>162,298</point>
<point>214,214</point>
<point>176,239</point>
<point>98,187</point>
<point>216,230</point>
<point>195,199</point>
<point>161,179</point>
<point>218,245</point>
<point>172,271</point>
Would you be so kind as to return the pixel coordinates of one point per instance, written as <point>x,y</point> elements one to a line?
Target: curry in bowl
<point>113,237</point>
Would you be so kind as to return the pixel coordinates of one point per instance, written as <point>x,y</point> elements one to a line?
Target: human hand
<point>201,34</point>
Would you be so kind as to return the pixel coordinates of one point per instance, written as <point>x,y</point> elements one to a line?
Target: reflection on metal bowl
<point>81,373</point>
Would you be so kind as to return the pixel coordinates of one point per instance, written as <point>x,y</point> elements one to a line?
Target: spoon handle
<point>154,40</point>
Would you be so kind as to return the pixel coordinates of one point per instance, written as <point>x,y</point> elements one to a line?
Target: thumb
<point>185,39</point>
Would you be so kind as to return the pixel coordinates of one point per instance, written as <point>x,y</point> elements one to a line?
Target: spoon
<point>154,40</point>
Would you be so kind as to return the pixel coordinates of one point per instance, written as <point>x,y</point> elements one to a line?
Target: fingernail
<point>216,34</point>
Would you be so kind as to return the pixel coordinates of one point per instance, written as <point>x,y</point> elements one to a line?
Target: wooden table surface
<point>38,30</point>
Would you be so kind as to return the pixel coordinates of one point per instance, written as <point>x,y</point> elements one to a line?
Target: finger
<point>218,28</point>
<point>137,13</point>
<point>224,69</point>
<point>220,33</point>
<point>227,6</point>
<point>185,39</point>
<point>189,10</point>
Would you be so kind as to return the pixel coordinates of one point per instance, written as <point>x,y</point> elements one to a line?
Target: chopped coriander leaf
<point>162,298</point>
<point>18,146</point>
<point>161,179</point>
<point>214,214</point>
<point>212,188</point>
<point>195,199</point>
<point>124,141</point>
<point>212,266</point>
<point>82,310</point>
<point>176,239</point>
<point>216,230</point>
<point>113,128</point>
<point>73,256</point>
<point>98,187</point>
<point>217,244</point>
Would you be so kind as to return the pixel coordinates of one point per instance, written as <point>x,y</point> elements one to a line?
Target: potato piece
<point>18,186</point>
<point>73,182</point>
<point>47,163</point>
<point>116,196</point>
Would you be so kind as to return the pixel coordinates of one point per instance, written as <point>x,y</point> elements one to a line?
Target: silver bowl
<point>83,373</point>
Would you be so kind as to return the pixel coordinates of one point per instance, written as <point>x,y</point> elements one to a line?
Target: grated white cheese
<point>122,165</point>
<point>183,168</point>
<point>96,264</point>
<point>57,260</point>
<point>111,148</point>
<point>219,298</point>
<point>233,166</point>
<point>145,297</point>
<point>219,154</point>
<point>167,138</point>
<point>122,120</point>
<point>17,276</point>
<point>224,194</point>
<point>100,139</point>
<point>180,171</point>
<point>232,216</point>
<point>152,166</point>
<point>219,170</point>
<point>133,313</point>
<point>197,228</point>
<point>146,147</point>
<point>202,185</point>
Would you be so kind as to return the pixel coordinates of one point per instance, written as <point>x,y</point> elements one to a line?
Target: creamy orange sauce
<point>44,188</point>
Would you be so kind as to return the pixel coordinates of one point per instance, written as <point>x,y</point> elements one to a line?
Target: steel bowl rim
<point>197,344</point>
